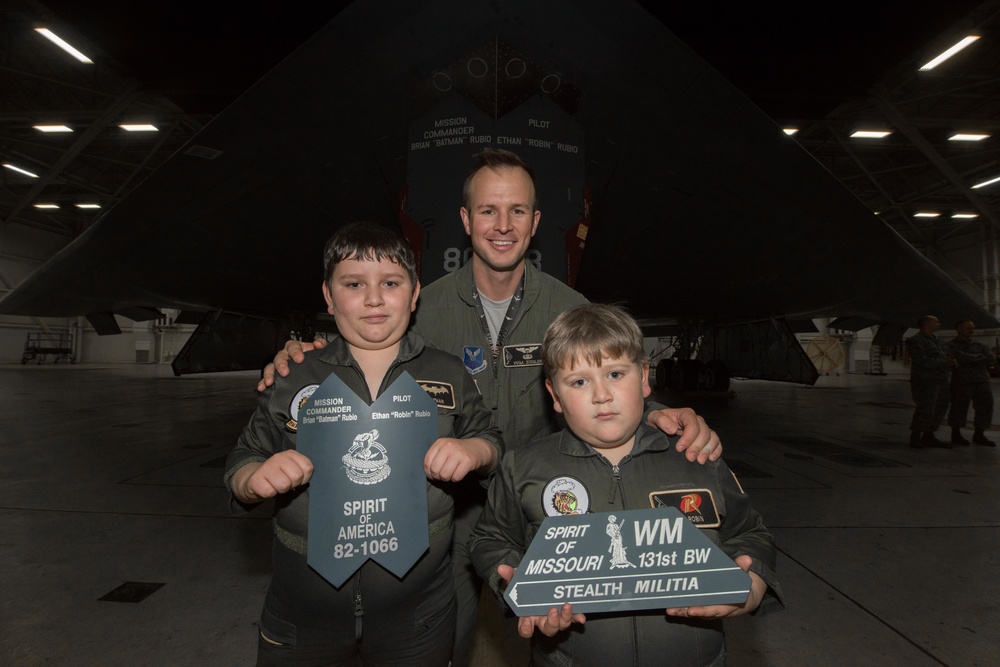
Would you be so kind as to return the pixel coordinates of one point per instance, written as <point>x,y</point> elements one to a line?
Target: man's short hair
<point>369,241</point>
<point>924,319</point>
<point>961,322</point>
<point>497,159</point>
<point>591,332</point>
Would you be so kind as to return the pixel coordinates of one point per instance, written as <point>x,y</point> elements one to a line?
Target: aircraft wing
<point>697,205</point>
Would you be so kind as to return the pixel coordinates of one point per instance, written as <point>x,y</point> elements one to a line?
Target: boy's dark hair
<point>368,241</point>
<point>591,332</point>
<point>497,159</point>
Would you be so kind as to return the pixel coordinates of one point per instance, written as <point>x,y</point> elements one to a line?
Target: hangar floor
<point>117,547</point>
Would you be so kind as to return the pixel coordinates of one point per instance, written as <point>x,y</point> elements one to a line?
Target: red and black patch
<point>698,505</point>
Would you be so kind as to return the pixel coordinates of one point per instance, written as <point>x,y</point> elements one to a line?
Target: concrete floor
<point>111,488</point>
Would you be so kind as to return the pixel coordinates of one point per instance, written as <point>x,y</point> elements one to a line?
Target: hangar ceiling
<point>178,70</point>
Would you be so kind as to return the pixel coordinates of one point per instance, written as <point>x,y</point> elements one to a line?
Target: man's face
<point>966,329</point>
<point>500,217</point>
<point>932,324</point>
<point>603,405</point>
<point>371,302</point>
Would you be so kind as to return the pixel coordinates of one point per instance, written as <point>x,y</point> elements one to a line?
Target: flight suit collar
<point>339,354</point>
<point>647,439</point>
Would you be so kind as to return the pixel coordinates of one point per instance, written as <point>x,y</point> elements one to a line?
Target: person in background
<point>970,382</point>
<point>929,370</point>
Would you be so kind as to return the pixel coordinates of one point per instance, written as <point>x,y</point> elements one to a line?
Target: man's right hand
<point>294,349</point>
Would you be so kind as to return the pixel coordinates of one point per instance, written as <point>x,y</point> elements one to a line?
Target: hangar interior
<point>116,527</point>
<point>71,159</point>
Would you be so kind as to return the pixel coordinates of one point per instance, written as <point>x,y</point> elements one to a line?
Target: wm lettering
<point>660,531</point>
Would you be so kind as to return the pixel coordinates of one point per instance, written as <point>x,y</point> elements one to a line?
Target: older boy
<point>374,617</point>
<point>597,375</point>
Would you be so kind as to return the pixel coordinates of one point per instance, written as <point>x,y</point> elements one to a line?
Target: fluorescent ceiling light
<point>791,130</point>
<point>964,216</point>
<point>139,127</point>
<point>46,205</point>
<point>870,134</point>
<point>974,187</point>
<point>53,128</point>
<point>968,137</point>
<point>19,170</point>
<point>962,43</point>
<point>58,41</point>
<point>927,214</point>
<point>88,206</point>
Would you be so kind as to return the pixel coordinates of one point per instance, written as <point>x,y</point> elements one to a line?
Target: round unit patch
<point>301,396</point>
<point>565,495</point>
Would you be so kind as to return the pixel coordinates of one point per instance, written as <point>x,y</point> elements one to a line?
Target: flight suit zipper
<point>616,481</point>
<point>359,611</point>
<point>616,489</point>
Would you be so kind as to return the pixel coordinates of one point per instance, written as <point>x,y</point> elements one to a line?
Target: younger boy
<point>608,459</point>
<point>374,617</point>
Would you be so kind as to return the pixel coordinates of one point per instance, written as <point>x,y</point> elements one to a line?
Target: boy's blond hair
<point>591,332</point>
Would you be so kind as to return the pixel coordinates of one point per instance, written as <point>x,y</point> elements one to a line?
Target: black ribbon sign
<point>368,492</point>
<point>623,561</point>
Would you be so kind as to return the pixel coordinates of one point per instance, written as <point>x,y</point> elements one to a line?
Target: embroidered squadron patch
<point>441,392</point>
<point>301,396</point>
<point>698,505</point>
<point>474,360</point>
<point>565,495</point>
<point>517,356</point>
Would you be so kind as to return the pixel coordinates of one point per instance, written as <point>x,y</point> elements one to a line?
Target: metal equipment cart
<point>38,345</point>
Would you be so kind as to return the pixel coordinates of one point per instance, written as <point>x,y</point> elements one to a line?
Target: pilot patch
<point>474,360</point>
<point>518,356</point>
<point>565,495</point>
<point>698,505</point>
<point>301,396</point>
<point>442,392</point>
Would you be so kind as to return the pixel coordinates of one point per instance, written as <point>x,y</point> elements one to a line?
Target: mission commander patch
<point>442,392</point>
<point>301,396</point>
<point>697,505</point>
<point>517,356</point>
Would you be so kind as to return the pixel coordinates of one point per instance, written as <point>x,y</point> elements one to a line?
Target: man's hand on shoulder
<point>294,350</point>
<point>697,441</point>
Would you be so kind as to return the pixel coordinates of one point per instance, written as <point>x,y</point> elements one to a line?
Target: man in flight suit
<point>970,381</point>
<point>929,370</point>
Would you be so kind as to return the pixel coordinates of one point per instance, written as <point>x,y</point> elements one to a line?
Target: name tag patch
<point>518,356</point>
<point>442,393</point>
<point>698,505</point>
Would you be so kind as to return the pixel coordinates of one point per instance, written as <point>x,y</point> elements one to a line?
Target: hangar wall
<point>139,342</point>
